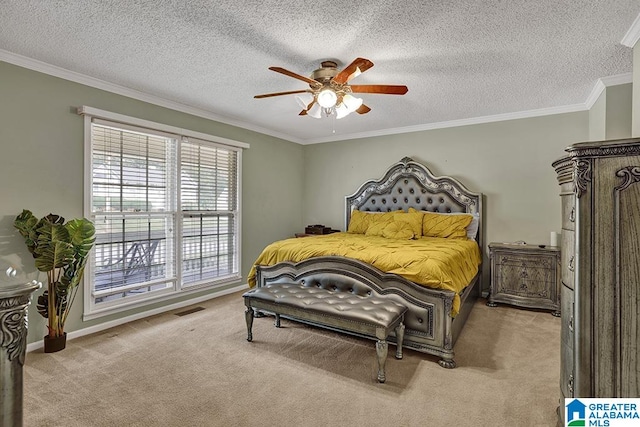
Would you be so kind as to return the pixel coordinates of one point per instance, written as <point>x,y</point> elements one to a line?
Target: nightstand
<point>525,275</point>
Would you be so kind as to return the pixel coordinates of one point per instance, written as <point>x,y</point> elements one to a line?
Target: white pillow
<point>472,228</point>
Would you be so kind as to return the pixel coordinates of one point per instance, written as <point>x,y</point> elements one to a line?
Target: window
<point>166,210</point>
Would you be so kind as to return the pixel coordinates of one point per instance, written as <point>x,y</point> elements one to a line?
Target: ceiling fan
<point>329,91</point>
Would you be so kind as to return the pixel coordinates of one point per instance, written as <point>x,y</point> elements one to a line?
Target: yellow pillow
<point>358,223</point>
<point>448,226</point>
<point>397,224</point>
<point>377,223</point>
<point>398,230</point>
<point>413,218</point>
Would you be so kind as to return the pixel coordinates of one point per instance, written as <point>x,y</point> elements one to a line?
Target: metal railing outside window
<point>166,211</point>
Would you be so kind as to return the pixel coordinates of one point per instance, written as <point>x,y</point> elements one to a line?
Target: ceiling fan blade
<point>312,83</point>
<point>363,109</point>
<point>359,65</point>
<point>291,92</point>
<point>384,89</point>
<point>306,110</point>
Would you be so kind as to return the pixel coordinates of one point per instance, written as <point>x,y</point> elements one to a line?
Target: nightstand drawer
<point>525,261</point>
<point>525,280</point>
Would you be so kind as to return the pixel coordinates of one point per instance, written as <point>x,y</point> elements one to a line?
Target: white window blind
<point>209,203</point>
<point>166,211</point>
<point>133,209</point>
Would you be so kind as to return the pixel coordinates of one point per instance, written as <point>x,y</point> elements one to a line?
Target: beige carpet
<point>199,370</point>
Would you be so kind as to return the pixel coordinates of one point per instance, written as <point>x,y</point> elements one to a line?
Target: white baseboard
<point>106,325</point>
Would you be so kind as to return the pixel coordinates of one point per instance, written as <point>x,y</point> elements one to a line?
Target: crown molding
<point>456,123</point>
<point>76,77</point>
<point>617,79</point>
<point>597,90</point>
<point>599,87</point>
<point>633,34</point>
<point>603,83</point>
<point>63,73</point>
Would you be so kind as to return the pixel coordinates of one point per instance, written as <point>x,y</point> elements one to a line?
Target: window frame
<point>93,310</point>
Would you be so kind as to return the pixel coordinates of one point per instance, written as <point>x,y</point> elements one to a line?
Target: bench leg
<point>248,315</point>
<point>381,351</point>
<point>277,323</point>
<point>399,340</point>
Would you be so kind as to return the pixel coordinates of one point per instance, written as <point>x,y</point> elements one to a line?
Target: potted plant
<point>60,249</point>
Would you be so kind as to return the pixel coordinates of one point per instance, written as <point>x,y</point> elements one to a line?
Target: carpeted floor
<point>199,370</point>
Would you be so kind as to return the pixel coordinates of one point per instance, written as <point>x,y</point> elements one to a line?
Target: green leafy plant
<point>61,250</point>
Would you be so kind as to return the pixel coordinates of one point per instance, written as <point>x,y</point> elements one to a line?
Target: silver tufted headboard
<point>408,184</point>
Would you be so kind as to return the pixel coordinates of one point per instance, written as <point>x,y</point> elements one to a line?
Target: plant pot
<point>53,344</point>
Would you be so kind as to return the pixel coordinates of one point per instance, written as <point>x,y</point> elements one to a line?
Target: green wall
<point>509,161</point>
<point>598,118</point>
<point>619,117</point>
<point>610,116</point>
<point>41,169</point>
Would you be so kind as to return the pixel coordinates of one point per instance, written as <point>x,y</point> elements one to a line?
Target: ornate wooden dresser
<point>600,257</point>
<point>14,303</point>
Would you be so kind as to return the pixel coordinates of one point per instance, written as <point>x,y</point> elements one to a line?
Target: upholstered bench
<point>371,316</point>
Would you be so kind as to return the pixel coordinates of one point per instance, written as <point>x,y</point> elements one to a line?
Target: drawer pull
<point>571,323</point>
<point>571,267</point>
<point>570,385</point>
<point>572,214</point>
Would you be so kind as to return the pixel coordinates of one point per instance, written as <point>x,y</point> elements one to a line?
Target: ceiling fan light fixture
<point>329,91</point>
<point>342,110</point>
<point>315,111</point>
<point>351,102</point>
<point>327,98</point>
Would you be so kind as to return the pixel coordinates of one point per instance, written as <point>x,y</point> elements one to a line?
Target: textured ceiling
<point>460,59</point>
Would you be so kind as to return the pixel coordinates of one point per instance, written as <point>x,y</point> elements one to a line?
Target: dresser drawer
<point>568,212</point>
<point>567,321</point>
<point>567,338</point>
<point>566,371</point>
<point>568,258</point>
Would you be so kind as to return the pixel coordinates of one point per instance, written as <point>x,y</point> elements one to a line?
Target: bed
<point>436,312</point>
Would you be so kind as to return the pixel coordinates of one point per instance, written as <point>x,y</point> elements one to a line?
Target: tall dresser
<point>600,269</point>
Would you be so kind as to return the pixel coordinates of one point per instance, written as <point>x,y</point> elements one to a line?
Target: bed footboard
<point>429,325</point>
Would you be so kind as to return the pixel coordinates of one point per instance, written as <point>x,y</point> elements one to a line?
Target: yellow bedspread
<point>430,261</point>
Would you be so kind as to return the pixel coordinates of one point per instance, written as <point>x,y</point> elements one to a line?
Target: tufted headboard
<point>408,184</point>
